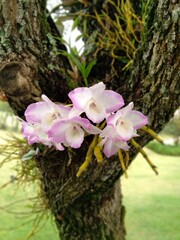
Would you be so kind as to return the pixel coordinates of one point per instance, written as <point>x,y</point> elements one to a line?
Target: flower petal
<point>80,97</point>
<point>57,132</point>
<point>122,145</point>
<point>74,136</point>
<point>124,129</point>
<point>110,148</point>
<point>138,119</point>
<point>86,125</point>
<point>113,118</point>
<point>46,99</point>
<point>45,111</point>
<point>75,112</point>
<point>29,133</point>
<point>95,111</point>
<point>35,134</point>
<point>127,110</point>
<point>97,89</point>
<point>122,113</point>
<point>59,110</point>
<point>35,112</point>
<point>59,146</point>
<point>107,132</point>
<point>111,100</point>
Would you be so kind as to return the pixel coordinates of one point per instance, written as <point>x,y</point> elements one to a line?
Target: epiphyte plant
<point>94,111</point>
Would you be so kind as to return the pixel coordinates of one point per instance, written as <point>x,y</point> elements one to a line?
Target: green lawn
<point>152,203</point>
<point>16,205</point>
<point>172,150</point>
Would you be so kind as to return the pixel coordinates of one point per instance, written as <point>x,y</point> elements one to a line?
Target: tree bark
<point>88,207</point>
<point>28,55</point>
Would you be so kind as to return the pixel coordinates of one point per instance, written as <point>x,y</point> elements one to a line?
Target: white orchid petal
<point>138,119</point>
<point>29,133</point>
<point>111,100</point>
<point>126,111</point>
<point>122,145</point>
<point>113,118</point>
<point>57,131</point>
<point>110,148</point>
<point>36,111</point>
<point>59,146</point>
<point>95,111</point>
<point>97,89</point>
<point>92,129</point>
<point>46,99</point>
<point>124,129</point>
<point>86,125</point>
<point>80,97</point>
<point>74,136</point>
<point>74,112</point>
<point>108,131</point>
<point>35,134</point>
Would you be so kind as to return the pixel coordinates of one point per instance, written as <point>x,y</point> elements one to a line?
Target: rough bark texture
<point>28,54</point>
<point>88,207</point>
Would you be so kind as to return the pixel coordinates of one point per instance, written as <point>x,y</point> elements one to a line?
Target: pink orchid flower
<point>45,112</point>
<point>111,147</point>
<point>35,134</point>
<point>111,142</point>
<point>126,121</point>
<point>95,101</point>
<point>71,131</point>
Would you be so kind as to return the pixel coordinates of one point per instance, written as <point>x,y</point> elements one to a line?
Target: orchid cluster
<point>94,110</point>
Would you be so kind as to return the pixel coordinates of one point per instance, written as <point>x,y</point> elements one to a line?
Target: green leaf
<point>76,22</point>
<point>79,37</point>
<point>89,67</point>
<point>29,155</point>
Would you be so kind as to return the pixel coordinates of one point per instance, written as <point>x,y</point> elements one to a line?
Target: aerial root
<point>127,158</point>
<point>89,155</point>
<point>121,159</point>
<point>152,133</point>
<point>98,151</point>
<point>138,147</point>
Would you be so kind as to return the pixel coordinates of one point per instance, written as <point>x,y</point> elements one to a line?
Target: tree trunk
<point>88,207</point>
<point>93,216</point>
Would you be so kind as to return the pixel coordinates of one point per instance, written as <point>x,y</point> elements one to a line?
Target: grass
<point>164,149</point>
<point>16,207</point>
<point>152,203</point>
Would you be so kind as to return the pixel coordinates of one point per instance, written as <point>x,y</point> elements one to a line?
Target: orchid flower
<point>45,112</point>
<point>34,134</point>
<point>111,147</point>
<point>121,127</point>
<point>111,142</point>
<point>95,101</point>
<point>71,131</point>
<point>126,121</point>
<point>62,126</point>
